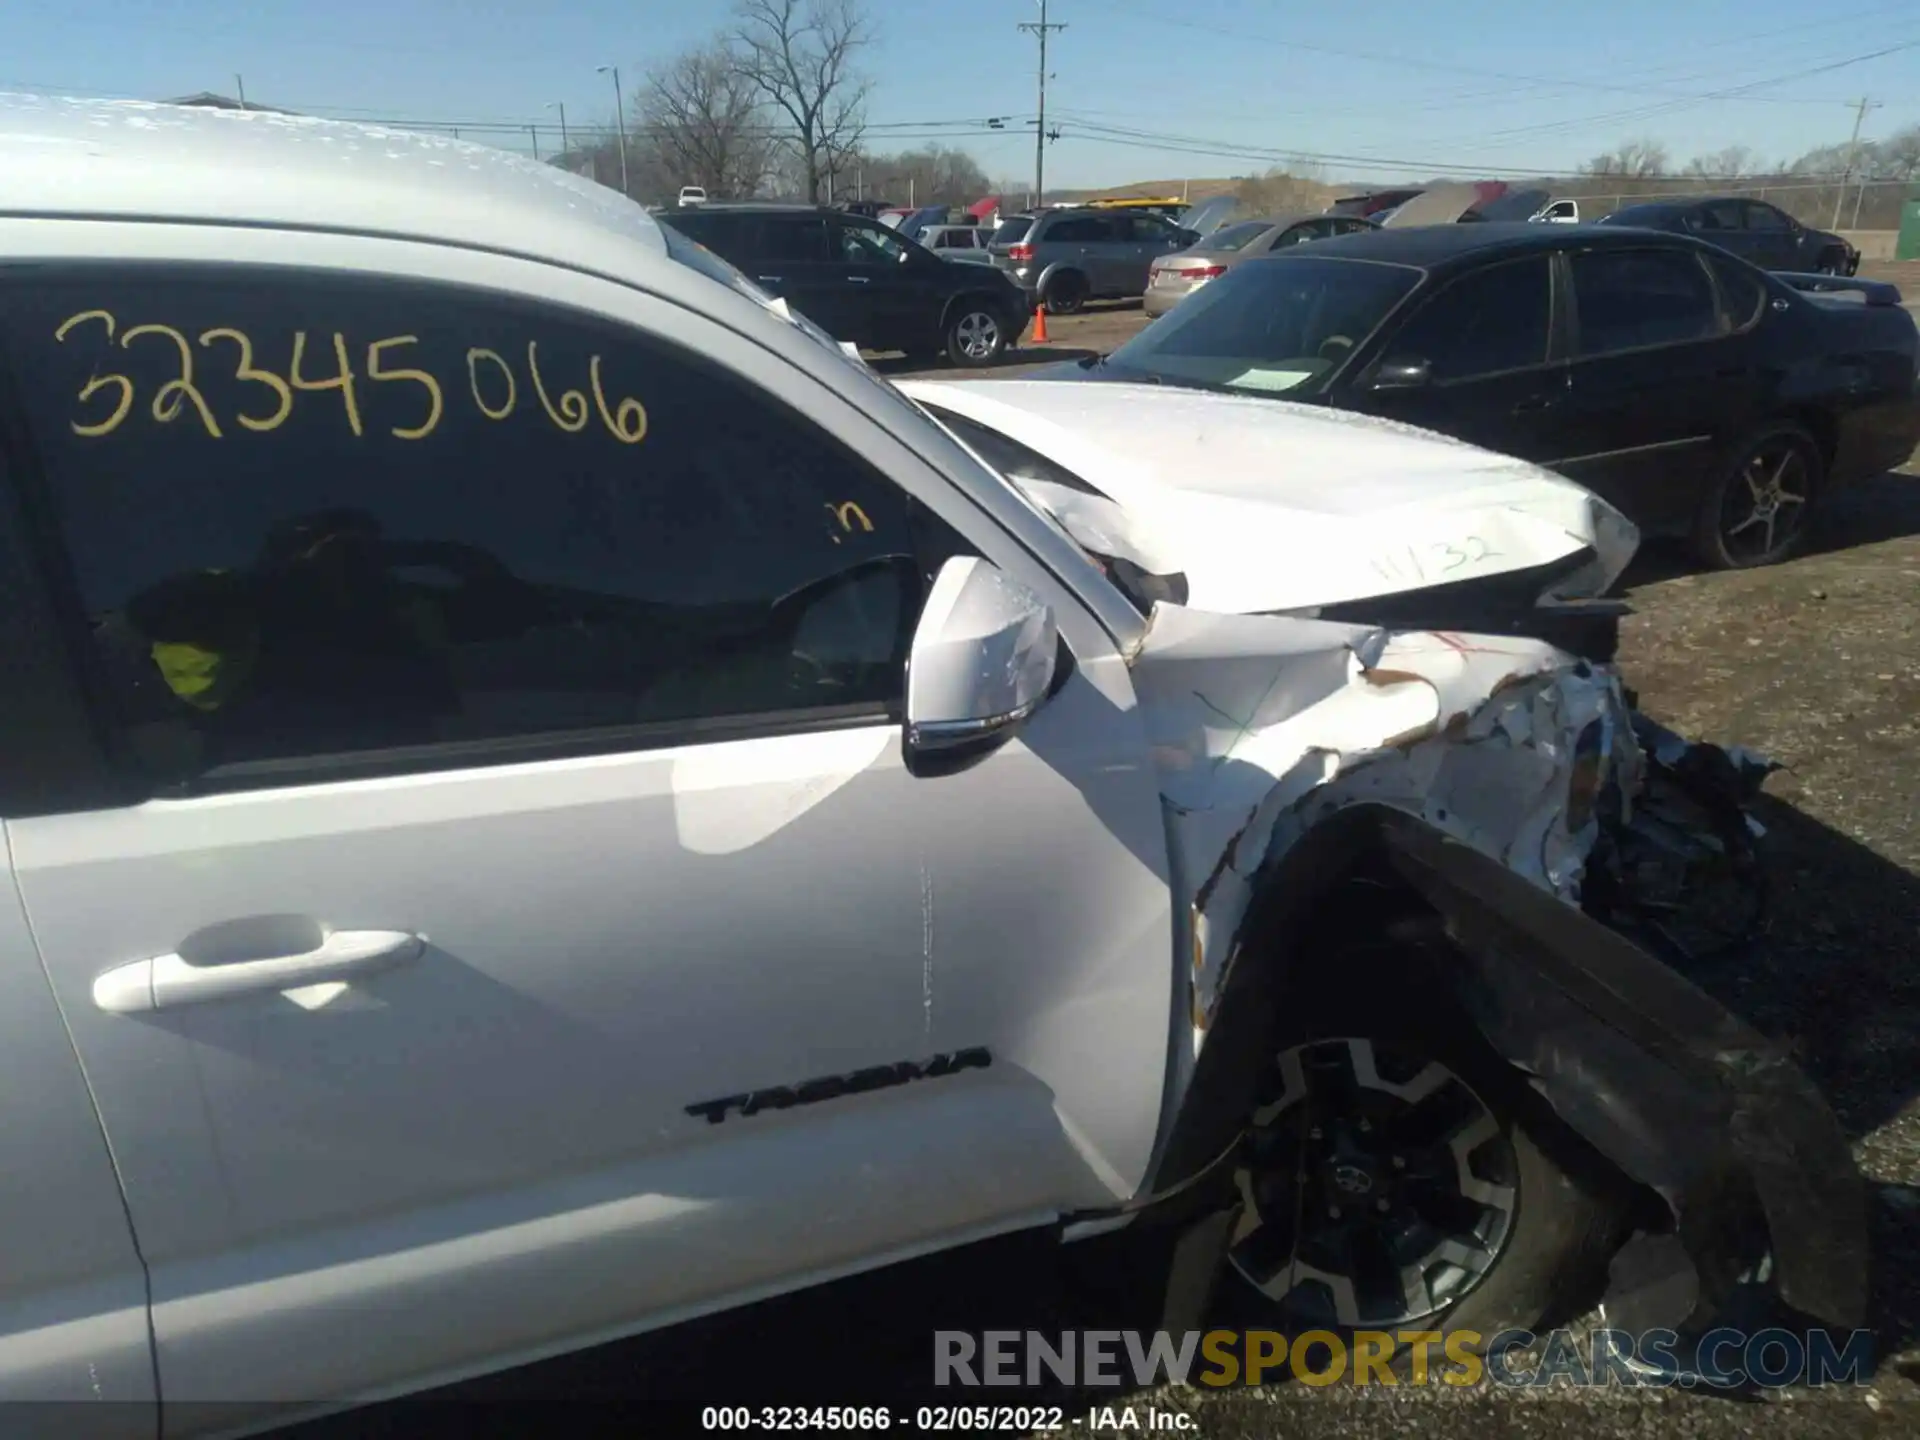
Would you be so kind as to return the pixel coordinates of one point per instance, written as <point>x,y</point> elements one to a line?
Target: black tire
<point>1755,512</point>
<point>976,333</point>
<point>1540,1237</point>
<point>1831,262</point>
<point>1066,293</point>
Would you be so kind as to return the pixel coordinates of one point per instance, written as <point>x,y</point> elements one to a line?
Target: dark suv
<point>862,282</point>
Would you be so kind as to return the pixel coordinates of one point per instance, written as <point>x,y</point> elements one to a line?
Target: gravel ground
<point>1816,663</point>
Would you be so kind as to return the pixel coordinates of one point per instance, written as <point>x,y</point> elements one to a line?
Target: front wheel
<point>1755,513</point>
<point>1394,1181</point>
<point>976,335</point>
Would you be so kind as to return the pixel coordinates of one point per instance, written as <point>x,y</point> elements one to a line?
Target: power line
<point>1449,67</point>
<point>1648,112</point>
<point>1228,150</point>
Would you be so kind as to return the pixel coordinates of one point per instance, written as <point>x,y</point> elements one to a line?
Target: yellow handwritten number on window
<point>175,390</point>
<point>94,385</point>
<point>847,513</point>
<point>630,424</point>
<point>245,370</point>
<point>419,377</point>
<point>473,382</point>
<point>343,381</point>
<point>572,414</point>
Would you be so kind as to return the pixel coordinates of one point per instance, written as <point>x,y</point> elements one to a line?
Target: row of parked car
<point>572,804</point>
<point>1664,371</point>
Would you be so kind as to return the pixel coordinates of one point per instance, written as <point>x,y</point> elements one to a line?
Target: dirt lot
<point>1816,663</point>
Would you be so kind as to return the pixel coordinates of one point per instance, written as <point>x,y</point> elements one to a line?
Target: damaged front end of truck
<point>1570,858</point>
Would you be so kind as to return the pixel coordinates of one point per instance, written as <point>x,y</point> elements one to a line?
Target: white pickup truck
<point>543,799</point>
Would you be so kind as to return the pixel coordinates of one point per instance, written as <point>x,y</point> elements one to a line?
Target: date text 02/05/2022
<point>944,1419</point>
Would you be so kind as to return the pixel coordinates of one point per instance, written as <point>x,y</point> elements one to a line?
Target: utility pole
<point>1853,157</point>
<point>620,115</point>
<point>240,86</point>
<point>566,143</point>
<point>1043,29</point>
<point>533,132</point>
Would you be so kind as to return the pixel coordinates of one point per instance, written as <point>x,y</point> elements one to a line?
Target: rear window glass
<point>1238,237</point>
<point>1012,230</point>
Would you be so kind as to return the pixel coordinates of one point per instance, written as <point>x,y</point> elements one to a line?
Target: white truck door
<point>519,927</point>
<point>75,1356</point>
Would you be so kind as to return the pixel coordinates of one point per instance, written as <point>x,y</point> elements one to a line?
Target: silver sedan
<point>1171,278</point>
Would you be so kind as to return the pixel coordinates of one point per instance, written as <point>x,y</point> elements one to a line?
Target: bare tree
<point>935,175</point>
<point>704,116</point>
<point>1635,160</point>
<point>1730,163</point>
<point>799,56</point>
<point>1281,191</point>
<point>1898,156</point>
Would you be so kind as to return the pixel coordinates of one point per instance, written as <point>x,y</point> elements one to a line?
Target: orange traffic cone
<point>1040,323</point>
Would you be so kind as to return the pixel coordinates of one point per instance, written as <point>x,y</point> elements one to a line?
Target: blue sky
<point>1493,85</point>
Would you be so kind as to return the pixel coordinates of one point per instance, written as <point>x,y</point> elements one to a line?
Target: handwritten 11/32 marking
<point>1470,551</point>
<point>571,411</point>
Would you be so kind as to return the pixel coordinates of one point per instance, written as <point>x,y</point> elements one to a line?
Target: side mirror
<point>1401,372</point>
<point>982,662</point>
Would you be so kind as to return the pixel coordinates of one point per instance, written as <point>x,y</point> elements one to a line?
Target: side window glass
<point>1741,292</point>
<point>871,245</point>
<point>1765,217</point>
<point>1717,218</point>
<point>1481,324</point>
<point>1083,230</point>
<point>1630,299</point>
<point>313,518</point>
<point>795,239</point>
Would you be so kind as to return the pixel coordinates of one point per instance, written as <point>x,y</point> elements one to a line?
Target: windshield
<point>1634,215</point>
<point>1269,325</point>
<point>1238,237</point>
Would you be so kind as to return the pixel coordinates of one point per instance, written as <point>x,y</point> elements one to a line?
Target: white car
<point>542,799</point>
<point>692,195</point>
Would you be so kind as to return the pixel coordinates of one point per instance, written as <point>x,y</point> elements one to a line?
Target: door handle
<point>1534,404</point>
<point>167,982</point>
<point>859,279</point>
<point>769,279</point>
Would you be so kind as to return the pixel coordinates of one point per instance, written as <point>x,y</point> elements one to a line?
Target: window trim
<point>57,654</point>
<point>1550,358</point>
<point>1698,257</point>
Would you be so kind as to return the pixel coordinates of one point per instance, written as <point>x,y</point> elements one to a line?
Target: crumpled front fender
<point>1659,1077</point>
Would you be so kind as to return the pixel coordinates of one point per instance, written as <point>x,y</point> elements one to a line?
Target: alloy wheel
<point>1765,503</point>
<point>1379,1188</point>
<point>977,334</point>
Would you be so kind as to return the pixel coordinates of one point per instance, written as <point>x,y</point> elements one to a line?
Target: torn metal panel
<point>1662,1079</point>
<point>1263,727</point>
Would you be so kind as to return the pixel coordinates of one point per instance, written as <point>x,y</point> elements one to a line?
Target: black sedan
<point>1703,397</point>
<point>1752,229</point>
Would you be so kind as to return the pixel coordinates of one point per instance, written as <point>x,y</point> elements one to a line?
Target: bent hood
<point>1269,505</point>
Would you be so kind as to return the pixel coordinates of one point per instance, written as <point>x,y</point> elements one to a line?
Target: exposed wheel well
<point>1006,312</point>
<point>1342,906</point>
<point>1824,429</point>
